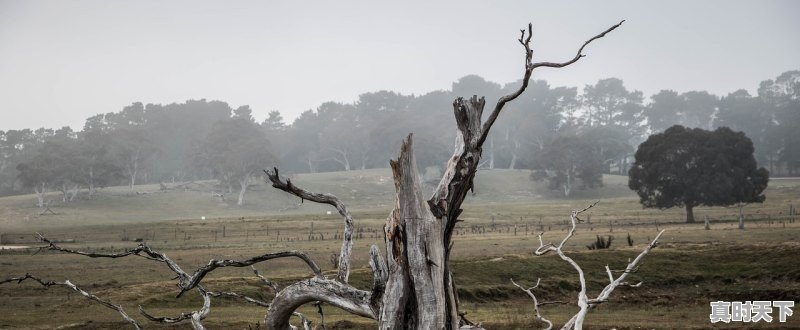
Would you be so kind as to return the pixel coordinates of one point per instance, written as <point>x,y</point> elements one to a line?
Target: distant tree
<point>97,167</point>
<point>610,144</point>
<point>54,166</point>
<point>782,97</point>
<point>664,110</point>
<point>692,167</point>
<point>532,123</point>
<point>609,103</point>
<point>132,147</point>
<point>235,150</point>
<point>569,161</point>
<point>274,121</point>
<point>37,174</point>
<point>690,109</point>
<point>176,129</point>
<point>342,138</point>
<point>700,109</point>
<point>742,112</point>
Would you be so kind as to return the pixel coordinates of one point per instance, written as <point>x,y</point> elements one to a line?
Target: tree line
<point>569,139</point>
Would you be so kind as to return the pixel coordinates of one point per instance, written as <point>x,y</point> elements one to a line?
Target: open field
<point>691,267</point>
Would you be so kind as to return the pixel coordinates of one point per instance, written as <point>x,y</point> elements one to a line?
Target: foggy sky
<point>63,61</point>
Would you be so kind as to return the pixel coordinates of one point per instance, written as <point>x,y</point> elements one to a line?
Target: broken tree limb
<point>193,280</point>
<point>75,288</point>
<point>266,281</point>
<point>195,317</point>
<point>536,303</point>
<point>347,237</point>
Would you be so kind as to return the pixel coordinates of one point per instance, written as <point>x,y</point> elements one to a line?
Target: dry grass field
<point>689,269</point>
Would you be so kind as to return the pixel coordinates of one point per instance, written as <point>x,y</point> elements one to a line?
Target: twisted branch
<point>347,239</point>
<point>525,40</point>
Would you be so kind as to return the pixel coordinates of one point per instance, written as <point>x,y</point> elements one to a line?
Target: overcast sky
<point>64,61</point>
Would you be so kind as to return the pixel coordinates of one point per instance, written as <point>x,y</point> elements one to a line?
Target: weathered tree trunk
<point>513,164</point>
<point>741,217</point>
<point>689,212</point>
<point>243,190</point>
<point>91,181</point>
<point>491,153</point>
<point>40,190</point>
<point>132,169</point>
<point>344,160</point>
<point>568,184</point>
<point>420,293</point>
<point>74,192</point>
<point>64,191</point>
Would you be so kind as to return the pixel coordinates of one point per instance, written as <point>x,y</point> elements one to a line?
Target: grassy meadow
<point>689,269</point>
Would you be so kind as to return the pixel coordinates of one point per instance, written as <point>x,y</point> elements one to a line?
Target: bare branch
<point>585,304</point>
<point>52,246</point>
<point>632,266</point>
<point>347,238</point>
<point>86,294</point>
<point>535,302</point>
<point>188,282</point>
<point>192,281</point>
<point>525,40</point>
<point>195,316</point>
<point>266,281</point>
<point>226,294</point>
<point>579,54</point>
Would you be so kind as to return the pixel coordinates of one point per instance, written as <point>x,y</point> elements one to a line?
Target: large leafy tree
<point>693,167</point>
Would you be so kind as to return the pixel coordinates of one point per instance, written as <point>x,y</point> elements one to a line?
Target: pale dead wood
<point>347,237</point>
<point>536,303</point>
<point>584,303</point>
<point>75,288</point>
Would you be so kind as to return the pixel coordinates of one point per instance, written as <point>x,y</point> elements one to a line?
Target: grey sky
<point>63,61</point>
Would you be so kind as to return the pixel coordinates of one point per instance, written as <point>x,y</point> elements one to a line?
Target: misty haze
<point>455,165</point>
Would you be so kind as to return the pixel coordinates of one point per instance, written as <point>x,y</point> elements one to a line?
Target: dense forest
<point>567,138</point>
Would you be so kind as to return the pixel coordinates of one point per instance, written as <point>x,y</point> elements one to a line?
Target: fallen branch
<point>75,288</point>
<point>195,316</point>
